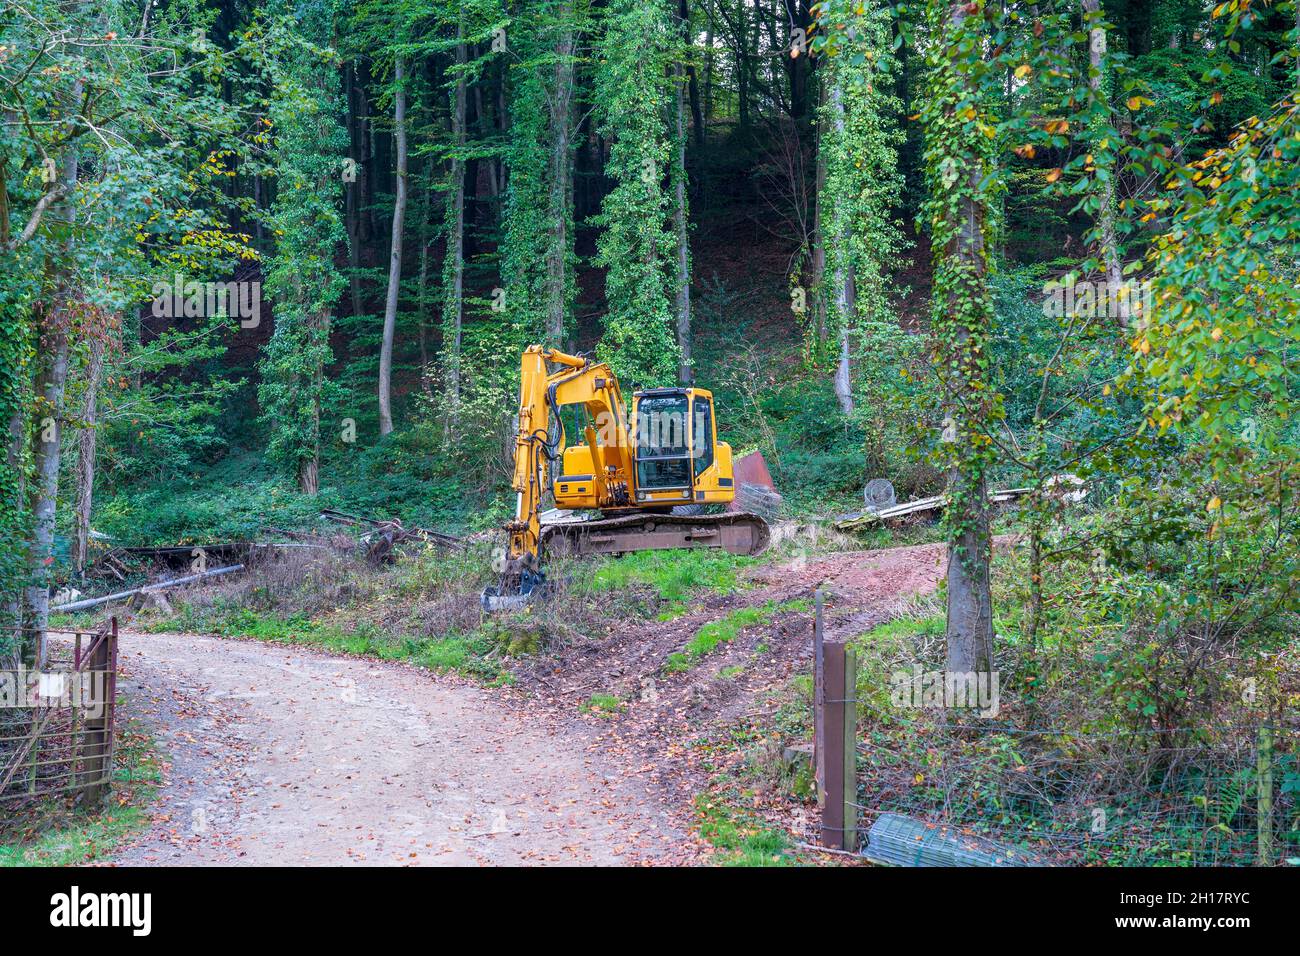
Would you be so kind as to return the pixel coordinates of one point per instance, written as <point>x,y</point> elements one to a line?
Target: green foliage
<point>526,242</point>
<point>859,148</point>
<point>234,503</point>
<point>544,37</point>
<point>634,244</point>
<point>674,575</point>
<point>743,838</point>
<point>15,357</point>
<point>963,184</point>
<point>603,705</point>
<point>301,277</point>
<point>469,654</point>
<point>894,391</point>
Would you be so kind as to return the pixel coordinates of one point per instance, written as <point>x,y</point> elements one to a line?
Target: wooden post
<point>833,744</point>
<point>819,700</point>
<point>1264,794</point>
<point>850,742</point>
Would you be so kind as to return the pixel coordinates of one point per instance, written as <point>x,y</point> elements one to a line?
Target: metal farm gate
<point>56,722</point>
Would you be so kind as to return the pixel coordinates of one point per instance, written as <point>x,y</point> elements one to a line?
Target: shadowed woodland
<point>260,259</point>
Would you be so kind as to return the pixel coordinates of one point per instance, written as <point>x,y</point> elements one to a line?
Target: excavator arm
<point>549,381</point>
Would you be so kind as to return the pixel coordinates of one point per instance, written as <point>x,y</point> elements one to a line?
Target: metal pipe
<point>93,602</point>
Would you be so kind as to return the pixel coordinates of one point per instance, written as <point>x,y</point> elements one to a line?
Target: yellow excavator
<point>650,475</point>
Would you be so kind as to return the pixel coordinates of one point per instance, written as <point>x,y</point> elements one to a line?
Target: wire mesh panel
<point>1221,795</point>
<point>56,721</point>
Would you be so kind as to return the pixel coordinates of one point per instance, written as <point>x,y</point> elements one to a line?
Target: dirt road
<point>288,756</point>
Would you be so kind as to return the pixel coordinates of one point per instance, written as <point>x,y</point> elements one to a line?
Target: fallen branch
<point>814,848</point>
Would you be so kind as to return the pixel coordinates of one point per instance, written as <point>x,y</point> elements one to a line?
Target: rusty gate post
<point>96,766</point>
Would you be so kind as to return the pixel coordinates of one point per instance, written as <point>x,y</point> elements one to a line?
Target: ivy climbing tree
<point>862,186</point>
<point>302,280</point>
<point>962,176</point>
<point>635,244</point>
<point>538,257</point>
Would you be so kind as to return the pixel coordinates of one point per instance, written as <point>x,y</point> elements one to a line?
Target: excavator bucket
<point>518,588</point>
<point>494,603</point>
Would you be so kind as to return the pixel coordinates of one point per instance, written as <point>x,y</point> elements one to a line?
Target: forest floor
<point>598,753</point>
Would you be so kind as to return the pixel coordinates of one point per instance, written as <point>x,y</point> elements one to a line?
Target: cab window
<point>663,457</point>
<point>702,435</point>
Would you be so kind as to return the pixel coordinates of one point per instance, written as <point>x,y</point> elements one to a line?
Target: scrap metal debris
<point>383,538</point>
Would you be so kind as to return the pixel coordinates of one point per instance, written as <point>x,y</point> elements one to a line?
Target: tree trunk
<point>395,259</point>
<point>708,59</point>
<point>815,292</point>
<point>51,384</point>
<point>681,224</point>
<point>843,282</point>
<point>86,454</point>
<point>10,592</point>
<point>422,296</point>
<point>797,65</point>
<point>486,131</point>
<point>559,210</point>
<point>693,85</point>
<point>1035,617</point>
<point>969,629</point>
<point>309,475</point>
<point>309,465</point>
<point>365,145</point>
<point>1106,213</point>
<point>352,205</point>
<point>50,389</point>
<point>454,307</point>
<point>742,67</point>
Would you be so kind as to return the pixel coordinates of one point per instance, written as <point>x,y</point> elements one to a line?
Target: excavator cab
<point>678,457</point>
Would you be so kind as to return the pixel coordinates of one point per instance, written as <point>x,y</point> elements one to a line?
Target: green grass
<point>465,653</point>
<point>56,835</point>
<point>603,705</point>
<point>904,628</point>
<point>673,575</point>
<point>724,630</point>
<point>743,839</point>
